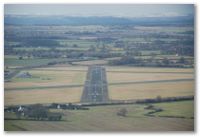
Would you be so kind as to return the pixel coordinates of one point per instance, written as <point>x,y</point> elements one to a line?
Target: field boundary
<point>141,101</point>
<point>124,102</point>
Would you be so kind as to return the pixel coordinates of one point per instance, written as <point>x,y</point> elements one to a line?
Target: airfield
<point>76,82</point>
<point>99,84</point>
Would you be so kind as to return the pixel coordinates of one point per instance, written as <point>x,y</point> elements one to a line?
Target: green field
<point>13,61</point>
<point>176,109</point>
<point>104,118</point>
<point>175,29</point>
<point>81,43</point>
<point>43,96</point>
<point>44,77</point>
<point>150,52</point>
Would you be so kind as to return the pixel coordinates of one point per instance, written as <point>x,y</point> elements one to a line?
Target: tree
<point>18,114</point>
<point>38,111</point>
<point>92,48</point>
<point>159,98</point>
<point>54,116</point>
<point>20,58</point>
<point>166,61</point>
<point>182,60</point>
<point>75,45</point>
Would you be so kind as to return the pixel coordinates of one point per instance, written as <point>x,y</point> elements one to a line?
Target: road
<point>96,87</point>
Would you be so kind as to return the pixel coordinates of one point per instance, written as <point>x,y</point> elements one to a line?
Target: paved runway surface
<point>95,88</point>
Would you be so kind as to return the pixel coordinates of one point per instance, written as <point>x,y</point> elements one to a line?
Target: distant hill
<point>65,20</point>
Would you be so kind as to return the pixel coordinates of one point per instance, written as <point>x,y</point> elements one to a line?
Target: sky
<point>121,10</point>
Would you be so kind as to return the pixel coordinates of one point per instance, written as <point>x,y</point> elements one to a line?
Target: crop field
<point>104,118</point>
<point>55,95</point>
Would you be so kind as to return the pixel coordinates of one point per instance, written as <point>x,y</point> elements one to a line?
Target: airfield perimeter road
<point>96,87</point>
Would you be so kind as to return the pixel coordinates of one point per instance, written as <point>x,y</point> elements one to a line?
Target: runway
<point>96,87</point>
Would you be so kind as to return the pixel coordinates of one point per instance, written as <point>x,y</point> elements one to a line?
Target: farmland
<point>104,118</point>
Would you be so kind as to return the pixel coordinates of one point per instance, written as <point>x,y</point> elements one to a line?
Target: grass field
<point>175,29</point>
<point>93,62</point>
<point>151,90</point>
<point>59,95</point>
<point>81,43</point>
<point>126,77</point>
<point>64,67</point>
<point>42,77</point>
<point>176,109</point>
<point>148,69</point>
<point>104,118</point>
<point>60,75</point>
<point>13,61</point>
<point>122,68</point>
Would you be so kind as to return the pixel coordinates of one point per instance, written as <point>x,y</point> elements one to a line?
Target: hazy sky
<point>100,10</point>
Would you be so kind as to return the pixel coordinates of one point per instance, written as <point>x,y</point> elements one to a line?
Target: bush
<point>40,112</point>
<point>37,111</point>
<point>122,112</point>
<point>54,116</point>
<point>149,107</point>
<point>159,98</point>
